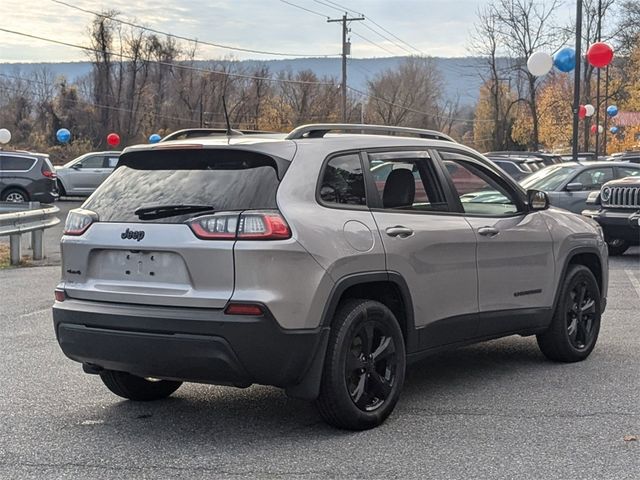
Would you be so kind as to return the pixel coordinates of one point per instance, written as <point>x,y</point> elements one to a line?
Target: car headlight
<point>605,194</point>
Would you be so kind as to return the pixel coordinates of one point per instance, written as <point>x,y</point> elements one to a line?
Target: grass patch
<point>5,258</point>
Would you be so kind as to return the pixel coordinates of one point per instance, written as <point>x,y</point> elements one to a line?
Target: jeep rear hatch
<point>142,236</point>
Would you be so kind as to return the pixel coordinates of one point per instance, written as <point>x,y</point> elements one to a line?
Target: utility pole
<point>598,84</point>
<point>346,50</point>
<point>576,80</point>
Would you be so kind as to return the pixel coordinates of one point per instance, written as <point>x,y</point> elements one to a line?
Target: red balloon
<point>113,139</point>
<point>582,112</point>
<point>594,128</point>
<point>600,54</point>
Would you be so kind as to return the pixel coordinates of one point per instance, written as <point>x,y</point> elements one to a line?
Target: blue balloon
<point>614,130</point>
<point>154,138</point>
<point>612,110</point>
<point>63,135</point>
<point>565,59</point>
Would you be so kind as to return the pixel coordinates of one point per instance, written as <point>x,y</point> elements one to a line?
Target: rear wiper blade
<point>164,211</point>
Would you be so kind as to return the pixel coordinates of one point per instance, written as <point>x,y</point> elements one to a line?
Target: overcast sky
<point>435,27</point>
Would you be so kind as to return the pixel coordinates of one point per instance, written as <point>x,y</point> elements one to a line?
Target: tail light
<point>47,172</point>
<point>60,295</point>
<point>78,221</point>
<point>250,225</point>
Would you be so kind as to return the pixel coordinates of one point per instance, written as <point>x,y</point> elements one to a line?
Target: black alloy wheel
<point>364,366</point>
<point>371,365</point>
<point>574,329</point>
<point>581,309</point>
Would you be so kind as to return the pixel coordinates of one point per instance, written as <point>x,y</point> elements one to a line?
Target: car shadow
<point>196,412</point>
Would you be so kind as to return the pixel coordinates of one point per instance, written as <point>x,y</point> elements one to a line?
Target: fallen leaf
<point>630,438</point>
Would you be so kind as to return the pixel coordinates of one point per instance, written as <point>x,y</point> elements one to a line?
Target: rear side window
<point>343,182</point>
<point>406,181</point>
<point>226,180</point>
<point>16,164</point>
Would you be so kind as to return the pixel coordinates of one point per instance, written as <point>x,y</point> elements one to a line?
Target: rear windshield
<point>223,179</point>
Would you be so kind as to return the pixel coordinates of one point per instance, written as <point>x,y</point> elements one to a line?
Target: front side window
<point>406,181</point>
<point>478,190</point>
<point>343,182</point>
<point>92,162</point>
<point>594,178</point>
<point>628,172</point>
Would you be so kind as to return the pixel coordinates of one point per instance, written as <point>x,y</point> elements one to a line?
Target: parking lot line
<point>634,281</point>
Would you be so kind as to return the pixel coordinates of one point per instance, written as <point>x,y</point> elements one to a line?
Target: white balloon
<point>590,109</point>
<point>600,129</point>
<point>5,135</point>
<point>540,63</point>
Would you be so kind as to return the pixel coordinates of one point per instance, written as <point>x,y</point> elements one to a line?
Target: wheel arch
<point>388,288</point>
<point>586,256</point>
<point>15,187</point>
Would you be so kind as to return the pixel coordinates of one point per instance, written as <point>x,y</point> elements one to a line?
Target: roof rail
<point>205,132</point>
<point>319,130</point>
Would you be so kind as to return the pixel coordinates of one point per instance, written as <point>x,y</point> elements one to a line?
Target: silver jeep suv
<point>318,262</point>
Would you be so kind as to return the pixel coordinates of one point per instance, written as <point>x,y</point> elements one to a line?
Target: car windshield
<point>549,178</point>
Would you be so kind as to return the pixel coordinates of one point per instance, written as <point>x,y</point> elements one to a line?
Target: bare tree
<point>525,27</point>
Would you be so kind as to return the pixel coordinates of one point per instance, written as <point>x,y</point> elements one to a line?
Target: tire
<point>573,332</point>
<point>617,247</point>
<point>137,388</point>
<point>61,191</point>
<point>362,379</point>
<point>14,195</point>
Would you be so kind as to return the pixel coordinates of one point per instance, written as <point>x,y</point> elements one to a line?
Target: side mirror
<point>77,166</point>
<point>538,200</point>
<point>594,198</point>
<point>574,187</point>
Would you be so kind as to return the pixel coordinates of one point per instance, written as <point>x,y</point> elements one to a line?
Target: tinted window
<point>92,162</point>
<point>342,181</point>
<point>479,192</point>
<point>594,178</point>
<point>407,181</point>
<point>628,172</point>
<point>508,167</point>
<point>16,163</point>
<point>223,179</point>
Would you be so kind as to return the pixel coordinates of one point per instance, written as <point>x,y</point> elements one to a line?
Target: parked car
<point>569,184</point>
<point>249,259</point>
<point>617,211</point>
<point>631,157</point>
<point>517,168</point>
<point>545,158</point>
<point>27,177</point>
<point>82,175</point>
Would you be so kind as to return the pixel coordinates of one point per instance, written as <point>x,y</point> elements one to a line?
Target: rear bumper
<point>44,197</point>
<point>189,344</point>
<point>622,225</point>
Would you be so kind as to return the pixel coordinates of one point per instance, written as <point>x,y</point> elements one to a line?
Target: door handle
<point>399,231</point>
<point>488,231</point>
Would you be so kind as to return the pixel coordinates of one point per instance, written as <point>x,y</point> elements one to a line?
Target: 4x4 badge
<point>132,235</point>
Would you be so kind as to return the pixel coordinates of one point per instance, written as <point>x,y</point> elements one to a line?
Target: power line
<point>306,10</point>
<point>377,25</point>
<point>330,6</point>
<point>167,64</point>
<point>180,37</point>
<point>372,42</point>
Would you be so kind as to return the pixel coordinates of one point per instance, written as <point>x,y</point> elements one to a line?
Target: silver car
<point>82,175</point>
<point>297,261</point>
<point>568,184</point>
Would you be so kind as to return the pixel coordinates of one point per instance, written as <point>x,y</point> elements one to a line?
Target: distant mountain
<point>459,75</point>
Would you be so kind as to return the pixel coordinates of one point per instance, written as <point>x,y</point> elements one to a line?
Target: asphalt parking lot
<point>495,410</point>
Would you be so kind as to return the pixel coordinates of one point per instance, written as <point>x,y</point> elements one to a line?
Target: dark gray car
<point>82,175</point>
<point>569,184</point>
<point>26,177</point>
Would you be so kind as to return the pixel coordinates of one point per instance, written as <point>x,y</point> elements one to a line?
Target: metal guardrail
<point>19,218</point>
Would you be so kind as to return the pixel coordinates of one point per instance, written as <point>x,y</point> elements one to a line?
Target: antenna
<point>226,116</point>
